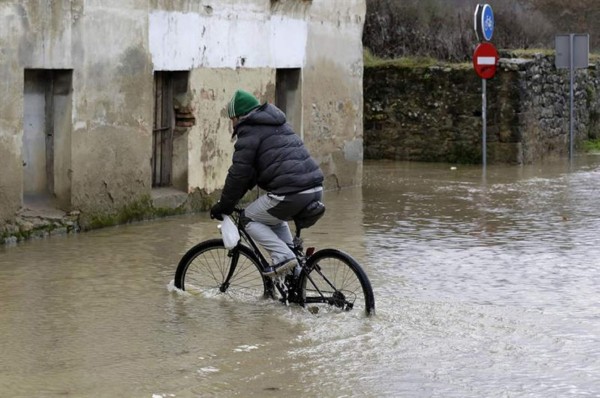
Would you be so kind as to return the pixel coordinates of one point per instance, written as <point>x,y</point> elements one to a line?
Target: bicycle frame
<point>328,276</point>
<point>311,283</point>
<point>288,287</point>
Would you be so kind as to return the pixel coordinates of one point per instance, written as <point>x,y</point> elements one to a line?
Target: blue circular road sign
<point>484,21</point>
<point>487,22</point>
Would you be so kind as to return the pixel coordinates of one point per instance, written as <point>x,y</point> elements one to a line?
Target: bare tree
<point>443,29</point>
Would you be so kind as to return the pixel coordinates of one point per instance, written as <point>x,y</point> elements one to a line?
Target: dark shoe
<point>281,268</point>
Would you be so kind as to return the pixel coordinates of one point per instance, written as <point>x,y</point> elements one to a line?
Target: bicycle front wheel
<point>336,281</point>
<point>211,269</point>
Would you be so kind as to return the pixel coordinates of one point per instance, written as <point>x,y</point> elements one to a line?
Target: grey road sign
<point>572,52</point>
<point>581,51</point>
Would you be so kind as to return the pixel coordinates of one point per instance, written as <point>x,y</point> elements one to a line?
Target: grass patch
<point>371,60</point>
<point>591,146</point>
<point>531,52</point>
<point>135,211</point>
<point>526,52</point>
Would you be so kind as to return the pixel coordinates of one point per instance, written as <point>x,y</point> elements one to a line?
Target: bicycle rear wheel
<point>336,281</point>
<point>211,269</point>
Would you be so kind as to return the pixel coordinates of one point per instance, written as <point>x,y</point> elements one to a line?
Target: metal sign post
<point>571,95</point>
<point>572,52</point>
<point>485,59</point>
<point>484,122</point>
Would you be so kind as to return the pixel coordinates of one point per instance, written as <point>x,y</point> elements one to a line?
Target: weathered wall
<point>324,38</point>
<point>544,100</point>
<point>434,113</point>
<point>105,45</point>
<point>210,144</point>
<point>110,51</point>
<point>11,109</point>
<point>112,115</point>
<point>333,94</point>
<point>426,114</point>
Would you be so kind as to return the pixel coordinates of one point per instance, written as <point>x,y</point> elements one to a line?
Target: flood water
<point>486,285</point>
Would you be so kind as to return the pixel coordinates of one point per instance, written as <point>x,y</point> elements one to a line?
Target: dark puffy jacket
<point>268,153</point>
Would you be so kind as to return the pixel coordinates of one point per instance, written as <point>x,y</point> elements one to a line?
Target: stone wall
<point>433,113</point>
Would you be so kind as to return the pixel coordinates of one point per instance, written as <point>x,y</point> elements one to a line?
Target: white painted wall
<point>183,41</point>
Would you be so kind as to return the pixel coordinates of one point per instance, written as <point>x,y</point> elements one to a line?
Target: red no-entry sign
<point>485,59</point>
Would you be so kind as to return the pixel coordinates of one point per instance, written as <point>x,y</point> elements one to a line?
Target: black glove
<point>217,211</point>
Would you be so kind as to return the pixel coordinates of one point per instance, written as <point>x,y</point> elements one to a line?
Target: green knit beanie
<point>241,103</point>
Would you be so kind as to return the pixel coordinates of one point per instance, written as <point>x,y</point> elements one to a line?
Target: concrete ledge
<point>38,218</point>
<point>168,198</point>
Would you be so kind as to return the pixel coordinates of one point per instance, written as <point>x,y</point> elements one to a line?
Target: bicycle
<point>328,278</point>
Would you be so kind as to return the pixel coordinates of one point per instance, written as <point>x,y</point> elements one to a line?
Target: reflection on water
<point>486,286</point>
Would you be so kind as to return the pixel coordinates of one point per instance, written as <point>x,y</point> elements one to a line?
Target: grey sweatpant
<point>272,232</point>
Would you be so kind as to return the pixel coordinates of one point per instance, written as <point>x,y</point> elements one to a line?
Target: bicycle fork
<point>235,256</point>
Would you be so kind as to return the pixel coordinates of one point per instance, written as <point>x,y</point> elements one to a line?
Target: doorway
<point>47,125</point>
<point>167,159</point>
<point>162,132</point>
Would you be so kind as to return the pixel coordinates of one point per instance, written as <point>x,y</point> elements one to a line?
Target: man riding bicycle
<point>268,153</point>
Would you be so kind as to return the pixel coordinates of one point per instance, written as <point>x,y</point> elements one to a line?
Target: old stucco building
<point>107,104</point>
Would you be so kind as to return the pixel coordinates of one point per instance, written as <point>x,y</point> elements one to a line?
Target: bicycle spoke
<point>337,281</point>
<point>206,267</point>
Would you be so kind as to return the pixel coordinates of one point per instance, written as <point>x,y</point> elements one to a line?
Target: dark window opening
<point>288,96</point>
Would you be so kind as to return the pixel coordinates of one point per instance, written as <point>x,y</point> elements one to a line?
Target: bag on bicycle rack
<point>229,232</point>
<point>310,214</point>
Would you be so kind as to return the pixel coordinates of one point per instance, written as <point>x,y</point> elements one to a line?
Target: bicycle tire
<point>337,281</point>
<point>203,269</point>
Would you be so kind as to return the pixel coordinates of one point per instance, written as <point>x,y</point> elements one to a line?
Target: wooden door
<point>162,137</point>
